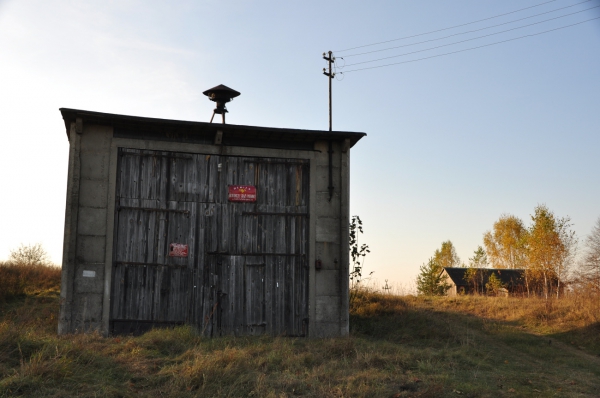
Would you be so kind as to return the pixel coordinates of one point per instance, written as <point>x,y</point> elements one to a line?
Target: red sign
<point>242,193</point>
<point>178,250</point>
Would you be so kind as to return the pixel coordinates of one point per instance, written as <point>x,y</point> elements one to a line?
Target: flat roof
<point>233,134</point>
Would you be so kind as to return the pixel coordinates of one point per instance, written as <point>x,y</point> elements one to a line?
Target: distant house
<point>512,280</point>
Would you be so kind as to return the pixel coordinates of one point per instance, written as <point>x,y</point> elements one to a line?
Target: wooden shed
<point>233,229</point>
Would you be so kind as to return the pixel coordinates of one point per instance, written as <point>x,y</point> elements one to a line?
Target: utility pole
<point>329,58</point>
<point>330,75</point>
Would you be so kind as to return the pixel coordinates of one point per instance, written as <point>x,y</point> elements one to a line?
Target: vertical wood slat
<point>279,189</point>
<point>142,289</point>
<point>254,297</point>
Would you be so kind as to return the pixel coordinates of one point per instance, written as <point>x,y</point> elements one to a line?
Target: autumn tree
<point>446,256</point>
<point>590,264</point>
<point>430,281</point>
<point>505,244</point>
<point>551,247</point>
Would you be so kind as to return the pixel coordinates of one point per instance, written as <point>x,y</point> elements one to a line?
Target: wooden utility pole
<point>329,58</point>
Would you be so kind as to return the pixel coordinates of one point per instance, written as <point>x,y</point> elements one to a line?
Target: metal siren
<point>221,94</point>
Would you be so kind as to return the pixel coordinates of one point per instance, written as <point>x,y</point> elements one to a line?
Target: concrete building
<point>233,229</point>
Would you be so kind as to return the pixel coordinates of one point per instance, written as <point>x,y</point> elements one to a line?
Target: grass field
<point>400,346</point>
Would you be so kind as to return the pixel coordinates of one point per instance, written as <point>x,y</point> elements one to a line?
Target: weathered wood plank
<point>219,287</point>
<point>254,300</point>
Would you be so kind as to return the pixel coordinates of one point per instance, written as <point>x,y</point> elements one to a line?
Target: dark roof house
<point>512,280</point>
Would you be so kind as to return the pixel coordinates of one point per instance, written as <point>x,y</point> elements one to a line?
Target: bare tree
<point>590,264</point>
<point>29,255</point>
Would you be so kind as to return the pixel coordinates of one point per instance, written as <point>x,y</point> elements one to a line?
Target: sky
<point>453,141</point>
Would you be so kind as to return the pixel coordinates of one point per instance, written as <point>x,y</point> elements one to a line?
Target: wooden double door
<point>188,252</point>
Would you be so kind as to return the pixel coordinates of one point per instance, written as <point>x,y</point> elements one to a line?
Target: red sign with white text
<point>178,250</point>
<point>242,193</point>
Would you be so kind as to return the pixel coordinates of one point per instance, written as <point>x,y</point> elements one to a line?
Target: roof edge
<point>70,115</point>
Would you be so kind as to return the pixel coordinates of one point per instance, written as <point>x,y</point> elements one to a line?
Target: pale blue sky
<point>453,142</point>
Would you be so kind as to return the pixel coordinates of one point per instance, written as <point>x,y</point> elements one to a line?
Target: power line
<point>471,39</point>
<point>451,27</point>
<point>469,31</point>
<point>469,49</point>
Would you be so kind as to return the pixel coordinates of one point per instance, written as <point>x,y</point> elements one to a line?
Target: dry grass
<point>18,279</point>
<point>400,346</point>
<point>573,319</point>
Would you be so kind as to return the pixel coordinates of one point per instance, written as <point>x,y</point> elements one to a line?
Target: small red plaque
<point>242,193</point>
<point>178,250</point>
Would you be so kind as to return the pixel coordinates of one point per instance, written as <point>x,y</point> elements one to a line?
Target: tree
<point>551,247</point>
<point>479,259</point>
<point>590,264</point>
<point>505,245</point>
<point>430,281</point>
<point>493,285</point>
<point>474,275</point>
<point>29,255</point>
<point>446,256</point>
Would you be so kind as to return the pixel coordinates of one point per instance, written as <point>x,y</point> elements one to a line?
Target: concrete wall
<point>89,224</point>
<point>84,252</point>
<point>331,243</point>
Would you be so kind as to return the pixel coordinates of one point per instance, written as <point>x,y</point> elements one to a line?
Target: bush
<point>29,255</point>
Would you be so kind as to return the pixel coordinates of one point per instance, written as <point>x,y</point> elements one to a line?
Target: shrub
<point>29,255</point>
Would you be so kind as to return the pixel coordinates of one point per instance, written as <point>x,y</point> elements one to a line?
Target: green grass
<point>400,346</point>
